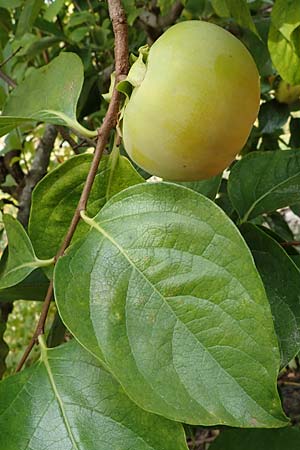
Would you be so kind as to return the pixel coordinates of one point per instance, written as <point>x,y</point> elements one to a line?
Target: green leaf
<point>208,187</point>
<point>33,287</point>
<point>21,258</point>
<point>55,198</point>
<point>295,132</point>
<point>287,438</point>
<point>48,94</point>
<point>278,224</point>
<point>283,41</point>
<point>28,15</point>
<point>10,4</point>
<point>177,305</point>
<point>67,401</point>
<point>272,116</point>
<point>237,9</point>
<point>53,9</point>
<point>281,279</point>
<point>265,181</point>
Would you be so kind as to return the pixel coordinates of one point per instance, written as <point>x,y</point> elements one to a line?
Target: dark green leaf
<point>272,116</point>
<point>209,187</point>
<point>68,402</point>
<point>281,279</point>
<point>278,224</point>
<point>5,310</point>
<point>48,94</point>
<point>287,438</point>
<point>295,132</point>
<point>28,15</point>
<point>34,287</point>
<point>283,39</point>
<point>176,304</point>
<point>21,257</point>
<point>55,198</point>
<point>265,181</point>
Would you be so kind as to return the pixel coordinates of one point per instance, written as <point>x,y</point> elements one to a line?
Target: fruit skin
<point>194,109</point>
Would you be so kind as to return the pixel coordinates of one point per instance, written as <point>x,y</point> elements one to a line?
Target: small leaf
<point>209,187</point>
<point>28,15</point>
<point>53,9</point>
<point>287,438</point>
<point>265,181</point>
<point>67,401</point>
<point>55,198</point>
<point>176,304</point>
<point>21,257</point>
<point>48,94</point>
<point>283,41</point>
<point>281,279</point>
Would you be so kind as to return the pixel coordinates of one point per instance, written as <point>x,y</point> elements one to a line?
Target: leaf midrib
<point>260,199</point>
<point>45,360</point>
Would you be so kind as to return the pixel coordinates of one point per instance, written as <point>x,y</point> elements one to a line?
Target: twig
<point>290,243</point>
<point>119,23</point>
<point>10,57</point>
<point>7,79</point>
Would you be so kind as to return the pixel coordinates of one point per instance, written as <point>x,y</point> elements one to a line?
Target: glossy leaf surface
<point>68,402</point>
<point>265,181</point>
<point>176,305</point>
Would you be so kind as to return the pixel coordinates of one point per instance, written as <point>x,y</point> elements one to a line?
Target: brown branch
<point>37,171</point>
<point>7,79</point>
<point>290,244</point>
<point>119,23</point>
<point>154,24</point>
<point>10,57</point>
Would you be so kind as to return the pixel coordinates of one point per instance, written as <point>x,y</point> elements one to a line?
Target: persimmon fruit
<point>194,109</point>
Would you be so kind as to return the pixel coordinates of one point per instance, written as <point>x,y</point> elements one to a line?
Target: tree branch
<point>7,79</point>
<point>154,24</point>
<point>119,24</point>
<point>37,171</point>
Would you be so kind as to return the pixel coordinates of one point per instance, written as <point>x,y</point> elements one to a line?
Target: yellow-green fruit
<point>195,107</point>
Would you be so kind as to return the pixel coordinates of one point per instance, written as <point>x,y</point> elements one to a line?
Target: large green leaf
<point>265,181</point>
<point>238,9</point>
<point>281,278</point>
<point>177,307</point>
<point>283,41</point>
<point>55,198</point>
<point>288,438</point>
<point>48,94</point>
<point>68,402</point>
<point>21,257</point>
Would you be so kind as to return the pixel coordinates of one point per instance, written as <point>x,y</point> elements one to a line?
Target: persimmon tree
<point>175,306</point>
